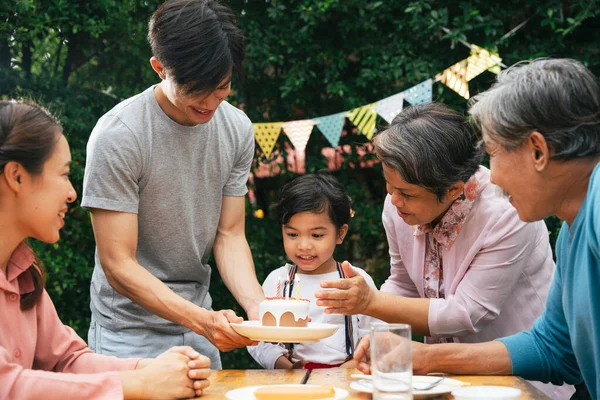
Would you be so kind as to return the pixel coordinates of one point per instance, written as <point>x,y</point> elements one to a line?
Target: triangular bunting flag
<point>389,107</point>
<point>479,61</point>
<point>299,132</point>
<point>266,135</point>
<point>420,93</point>
<point>364,119</point>
<point>331,127</point>
<point>455,78</point>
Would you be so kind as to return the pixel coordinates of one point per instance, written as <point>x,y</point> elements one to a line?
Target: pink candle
<point>278,287</point>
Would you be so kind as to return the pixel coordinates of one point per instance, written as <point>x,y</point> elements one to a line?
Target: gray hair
<point>558,98</point>
<point>431,146</point>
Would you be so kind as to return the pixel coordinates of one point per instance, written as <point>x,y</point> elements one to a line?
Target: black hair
<point>197,42</point>
<point>28,134</point>
<point>316,193</point>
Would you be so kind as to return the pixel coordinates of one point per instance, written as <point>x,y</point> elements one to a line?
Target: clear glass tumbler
<point>391,361</point>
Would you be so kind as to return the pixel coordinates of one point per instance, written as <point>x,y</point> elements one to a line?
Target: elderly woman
<point>541,128</point>
<point>464,267</point>
<point>40,358</point>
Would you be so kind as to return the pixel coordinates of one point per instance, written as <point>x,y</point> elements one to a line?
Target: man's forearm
<point>234,261</point>
<point>397,309</point>
<point>136,283</point>
<point>489,358</point>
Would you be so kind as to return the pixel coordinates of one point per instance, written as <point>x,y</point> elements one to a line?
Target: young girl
<point>40,358</point>
<point>314,211</point>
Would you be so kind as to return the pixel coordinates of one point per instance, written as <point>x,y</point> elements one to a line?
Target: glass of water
<point>391,361</point>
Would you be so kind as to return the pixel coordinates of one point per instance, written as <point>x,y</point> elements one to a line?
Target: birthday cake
<point>280,311</point>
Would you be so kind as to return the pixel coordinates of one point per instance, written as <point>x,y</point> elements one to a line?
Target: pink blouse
<point>40,358</point>
<point>496,271</point>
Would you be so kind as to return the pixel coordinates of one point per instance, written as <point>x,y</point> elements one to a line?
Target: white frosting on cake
<point>278,307</point>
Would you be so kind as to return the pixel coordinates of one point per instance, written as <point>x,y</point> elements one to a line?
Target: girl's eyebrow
<point>316,228</point>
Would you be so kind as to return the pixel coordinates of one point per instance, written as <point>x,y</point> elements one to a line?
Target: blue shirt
<point>564,343</point>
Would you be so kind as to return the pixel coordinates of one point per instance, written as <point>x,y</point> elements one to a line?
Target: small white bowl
<point>486,392</point>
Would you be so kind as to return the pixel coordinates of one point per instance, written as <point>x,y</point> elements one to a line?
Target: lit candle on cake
<point>286,293</point>
<point>278,287</point>
<point>297,288</point>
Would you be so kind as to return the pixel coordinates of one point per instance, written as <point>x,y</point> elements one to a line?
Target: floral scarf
<point>442,237</point>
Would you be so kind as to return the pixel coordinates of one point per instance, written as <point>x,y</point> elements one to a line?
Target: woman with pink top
<point>39,356</point>
<point>464,267</point>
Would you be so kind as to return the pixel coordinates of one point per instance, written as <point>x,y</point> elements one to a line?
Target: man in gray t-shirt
<point>165,180</point>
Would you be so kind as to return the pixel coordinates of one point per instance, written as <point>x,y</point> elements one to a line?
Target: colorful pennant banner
<point>331,127</point>
<point>420,93</point>
<point>266,135</point>
<point>480,61</point>
<point>389,107</point>
<point>364,118</point>
<point>456,77</point>
<point>299,132</point>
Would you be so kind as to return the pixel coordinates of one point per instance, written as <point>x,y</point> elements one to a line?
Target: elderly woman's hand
<point>349,296</point>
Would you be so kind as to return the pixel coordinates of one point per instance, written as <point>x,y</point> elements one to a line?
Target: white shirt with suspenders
<point>334,350</point>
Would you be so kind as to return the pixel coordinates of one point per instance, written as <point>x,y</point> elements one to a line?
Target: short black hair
<point>197,42</point>
<point>316,193</point>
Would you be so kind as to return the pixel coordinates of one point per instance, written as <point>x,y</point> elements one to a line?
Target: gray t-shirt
<point>174,178</point>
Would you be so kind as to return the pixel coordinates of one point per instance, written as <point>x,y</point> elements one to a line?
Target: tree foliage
<point>306,58</point>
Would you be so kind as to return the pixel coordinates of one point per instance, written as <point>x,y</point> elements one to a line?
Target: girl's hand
<point>351,296</point>
<point>283,363</point>
<point>298,364</point>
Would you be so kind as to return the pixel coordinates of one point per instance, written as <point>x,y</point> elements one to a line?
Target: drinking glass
<point>391,361</point>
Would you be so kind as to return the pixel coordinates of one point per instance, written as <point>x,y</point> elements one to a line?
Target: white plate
<point>311,333</point>
<point>487,392</point>
<point>448,386</point>
<point>247,393</point>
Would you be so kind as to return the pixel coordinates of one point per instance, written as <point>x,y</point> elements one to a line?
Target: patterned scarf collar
<point>447,230</point>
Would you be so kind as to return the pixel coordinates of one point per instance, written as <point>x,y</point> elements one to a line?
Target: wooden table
<point>223,381</point>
